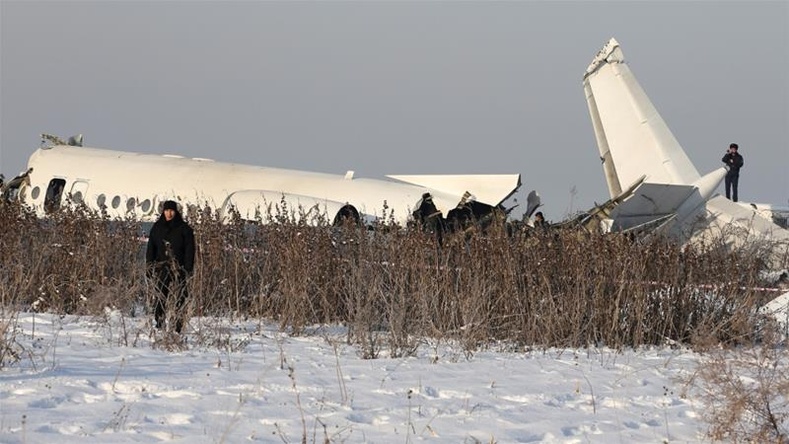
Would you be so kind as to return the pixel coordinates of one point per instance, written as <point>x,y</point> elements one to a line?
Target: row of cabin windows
<point>54,195</point>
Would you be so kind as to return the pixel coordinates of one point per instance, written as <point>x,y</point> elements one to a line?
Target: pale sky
<point>396,87</point>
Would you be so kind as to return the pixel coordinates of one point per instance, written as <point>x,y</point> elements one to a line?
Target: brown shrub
<point>393,286</point>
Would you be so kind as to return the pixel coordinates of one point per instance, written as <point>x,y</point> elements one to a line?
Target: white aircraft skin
<point>637,148</point>
<point>127,183</point>
<point>779,214</point>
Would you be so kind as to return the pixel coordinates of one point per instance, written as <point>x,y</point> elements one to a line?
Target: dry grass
<point>392,286</point>
<point>745,393</point>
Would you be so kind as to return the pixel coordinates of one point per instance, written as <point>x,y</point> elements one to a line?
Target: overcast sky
<point>396,87</point>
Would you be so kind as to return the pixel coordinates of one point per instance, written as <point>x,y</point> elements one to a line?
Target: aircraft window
<point>130,204</point>
<point>54,194</point>
<point>146,205</point>
<point>36,191</point>
<point>101,201</point>
<point>77,197</point>
<point>116,201</point>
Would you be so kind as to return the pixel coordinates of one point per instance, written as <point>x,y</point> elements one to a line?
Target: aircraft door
<point>79,191</point>
<point>54,195</point>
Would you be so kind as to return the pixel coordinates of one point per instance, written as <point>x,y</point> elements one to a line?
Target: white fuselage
<point>127,183</point>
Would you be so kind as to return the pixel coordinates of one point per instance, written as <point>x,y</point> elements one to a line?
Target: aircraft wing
<point>490,189</point>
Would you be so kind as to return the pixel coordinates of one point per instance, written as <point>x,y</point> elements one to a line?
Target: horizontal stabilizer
<point>649,201</point>
<point>653,198</point>
<point>657,225</point>
<point>490,189</point>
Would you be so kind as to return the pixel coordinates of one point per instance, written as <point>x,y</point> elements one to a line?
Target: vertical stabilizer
<point>638,151</point>
<point>631,135</point>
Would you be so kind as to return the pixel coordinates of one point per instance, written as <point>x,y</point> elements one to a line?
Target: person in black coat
<point>734,161</point>
<point>539,221</point>
<point>429,217</point>
<point>170,259</point>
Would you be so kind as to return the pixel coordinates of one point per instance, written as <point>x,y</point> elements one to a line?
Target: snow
<point>103,378</point>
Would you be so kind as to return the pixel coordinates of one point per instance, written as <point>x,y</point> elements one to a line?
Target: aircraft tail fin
<point>636,145</point>
<point>632,137</point>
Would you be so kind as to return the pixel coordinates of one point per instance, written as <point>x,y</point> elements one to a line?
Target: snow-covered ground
<point>105,381</point>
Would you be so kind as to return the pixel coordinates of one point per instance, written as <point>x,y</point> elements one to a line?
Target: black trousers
<point>170,293</point>
<point>731,186</point>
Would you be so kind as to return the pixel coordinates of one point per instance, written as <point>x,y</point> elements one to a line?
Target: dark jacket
<point>171,240</point>
<point>734,161</point>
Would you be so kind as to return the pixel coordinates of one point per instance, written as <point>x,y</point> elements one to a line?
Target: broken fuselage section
<point>128,184</point>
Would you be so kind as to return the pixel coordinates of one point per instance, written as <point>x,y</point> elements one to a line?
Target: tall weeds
<point>393,286</point>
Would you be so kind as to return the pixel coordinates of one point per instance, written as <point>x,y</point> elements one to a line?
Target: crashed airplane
<point>128,184</point>
<point>651,181</point>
